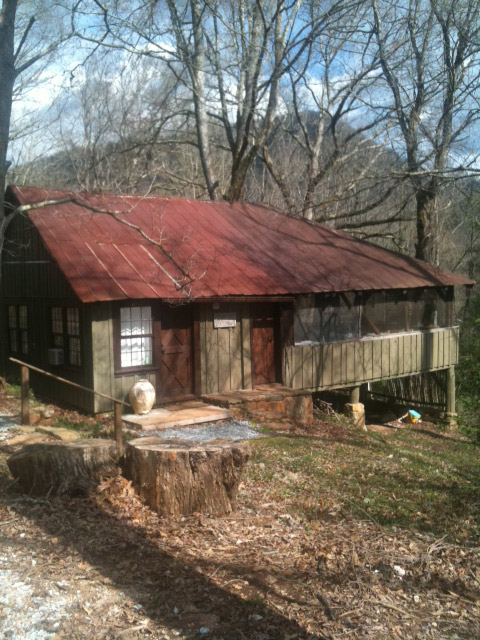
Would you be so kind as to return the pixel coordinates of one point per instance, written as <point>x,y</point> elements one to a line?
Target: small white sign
<point>224,319</point>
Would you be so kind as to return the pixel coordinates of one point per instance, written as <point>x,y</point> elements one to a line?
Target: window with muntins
<point>136,337</point>
<point>65,327</point>
<point>18,328</point>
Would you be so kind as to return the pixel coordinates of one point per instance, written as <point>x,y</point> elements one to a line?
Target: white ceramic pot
<point>142,396</point>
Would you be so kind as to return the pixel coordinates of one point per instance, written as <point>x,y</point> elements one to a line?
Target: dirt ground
<point>105,566</point>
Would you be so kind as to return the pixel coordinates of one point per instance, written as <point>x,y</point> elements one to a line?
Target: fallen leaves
<point>293,562</point>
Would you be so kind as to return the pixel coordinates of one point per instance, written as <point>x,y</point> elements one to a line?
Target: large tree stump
<point>178,477</point>
<point>58,468</point>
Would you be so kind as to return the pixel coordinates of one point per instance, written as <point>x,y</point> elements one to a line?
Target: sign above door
<point>224,319</point>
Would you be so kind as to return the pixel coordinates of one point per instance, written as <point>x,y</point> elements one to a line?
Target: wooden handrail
<point>73,384</point>
<point>24,396</point>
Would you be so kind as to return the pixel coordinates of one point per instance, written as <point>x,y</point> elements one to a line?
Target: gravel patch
<point>7,423</point>
<point>28,614</point>
<point>234,430</point>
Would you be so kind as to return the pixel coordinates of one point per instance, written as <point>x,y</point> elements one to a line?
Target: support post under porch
<point>355,395</point>
<point>359,393</point>
<point>450,408</point>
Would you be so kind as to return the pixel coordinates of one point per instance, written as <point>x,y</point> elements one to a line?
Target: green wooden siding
<point>345,364</point>
<point>103,367</point>
<point>30,276</point>
<point>27,266</point>
<point>225,353</point>
<point>39,341</point>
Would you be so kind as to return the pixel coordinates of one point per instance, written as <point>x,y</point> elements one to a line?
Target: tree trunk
<point>179,478</point>
<point>7,78</point>
<point>426,235</point>
<point>57,468</point>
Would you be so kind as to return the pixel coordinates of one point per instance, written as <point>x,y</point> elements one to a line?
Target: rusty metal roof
<point>230,250</point>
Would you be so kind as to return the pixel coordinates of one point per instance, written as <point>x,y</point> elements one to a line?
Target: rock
<point>58,468</point>
<point>23,439</point>
<point>356,413</point>
<point>26,429</point>
<point>34,418</point>
<point>300,408</point>
<point>297,407</point>
<point>177,477</point>
<point>60,433</point>
<point>46,421</point>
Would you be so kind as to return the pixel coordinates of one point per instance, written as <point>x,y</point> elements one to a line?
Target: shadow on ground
<point>157,579</point>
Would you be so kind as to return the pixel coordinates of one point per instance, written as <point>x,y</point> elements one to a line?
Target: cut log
<point>59,468</point>
<point>178,477</point>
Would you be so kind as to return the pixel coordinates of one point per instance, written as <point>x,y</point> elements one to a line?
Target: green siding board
<point>28,268</point>
<point>102,354</point>
<point>39,343</point>
<point>30,276</point>
<point>375,359</point>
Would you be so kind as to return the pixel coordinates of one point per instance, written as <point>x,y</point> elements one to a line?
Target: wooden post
<point>450,413</point>
<point>24,389</point>
<point>117,421</point>
<point>355,395</point>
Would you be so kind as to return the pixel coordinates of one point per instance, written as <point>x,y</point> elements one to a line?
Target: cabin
<point>209,297</point>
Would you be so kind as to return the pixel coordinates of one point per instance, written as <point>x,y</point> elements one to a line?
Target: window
<point>18,328</point>
<point>57,327</point>
<point>73,333</point>
<point>136,337</point>
<point>65,326</point>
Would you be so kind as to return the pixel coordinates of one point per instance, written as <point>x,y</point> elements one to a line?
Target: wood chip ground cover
<point>317,549</point>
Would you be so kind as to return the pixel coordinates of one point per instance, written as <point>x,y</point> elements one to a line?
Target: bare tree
<point>25,41</point>
<point>429,54</point>
<point>327,121</point>
<point>231,56</point>
<point>356,113</point>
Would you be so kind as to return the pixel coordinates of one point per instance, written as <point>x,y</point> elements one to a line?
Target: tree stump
<point>179,477</point>
<point>59,468</point>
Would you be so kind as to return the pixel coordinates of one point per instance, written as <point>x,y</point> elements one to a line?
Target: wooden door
<point>176,353</point>
<point>264,344</point>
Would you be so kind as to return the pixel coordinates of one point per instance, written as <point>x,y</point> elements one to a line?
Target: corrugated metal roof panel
<point>229,249</point>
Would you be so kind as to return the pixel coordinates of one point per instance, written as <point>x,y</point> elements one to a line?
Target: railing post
<point>117,421</point>
<point>24,391</point>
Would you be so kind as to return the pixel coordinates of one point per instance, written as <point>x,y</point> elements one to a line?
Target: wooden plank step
<point>165,419</point>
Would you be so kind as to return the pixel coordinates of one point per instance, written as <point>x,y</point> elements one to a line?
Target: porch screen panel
<point>340,318</point>
<point>409,310</point>
<point>323,319</point>
<point>136,336</point>
<point>307,320</point>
